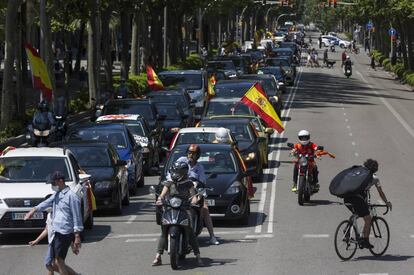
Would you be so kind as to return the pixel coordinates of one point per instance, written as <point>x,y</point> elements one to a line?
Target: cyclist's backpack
<point>353,180</point>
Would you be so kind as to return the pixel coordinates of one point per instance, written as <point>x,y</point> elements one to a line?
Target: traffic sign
<point>392,32</point>
<point>369,25</point>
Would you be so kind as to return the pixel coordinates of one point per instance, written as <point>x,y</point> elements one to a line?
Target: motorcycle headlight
<point>232,75</point>
<point>303,162</point>
<point>175,202</point>
<point>58,117</point>
<point>250,156</point>
<point>103,185</point>
<point>234,188</point>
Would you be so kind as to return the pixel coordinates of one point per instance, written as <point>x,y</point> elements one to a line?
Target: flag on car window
<point>40,76</point>
<point>256,99</point>
<point>211,83</point>
<point>154,83</point>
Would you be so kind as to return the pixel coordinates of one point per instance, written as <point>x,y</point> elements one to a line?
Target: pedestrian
<point>320,41</point>
<point>367,46</point>
<point>66,224</point>
<point>343,57</point>
<point>325,57</point>
<point>372,61</point>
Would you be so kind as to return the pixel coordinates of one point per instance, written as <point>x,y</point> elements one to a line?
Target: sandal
<point>157,262</point>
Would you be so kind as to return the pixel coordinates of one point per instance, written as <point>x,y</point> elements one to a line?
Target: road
<point>367,116</point>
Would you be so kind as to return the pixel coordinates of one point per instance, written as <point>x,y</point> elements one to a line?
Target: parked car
<point>226,106</point>
<point>23,176</point>
<point>122,140</point>
<point>109,175</point>
<point>327,40</point>
<point>193,81</point>
<point>228,199</point>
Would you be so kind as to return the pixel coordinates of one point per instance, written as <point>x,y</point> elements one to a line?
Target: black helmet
<point>195,149</point>
<point>372,165</point>
<point>179,171</point>
<point>42,106</point>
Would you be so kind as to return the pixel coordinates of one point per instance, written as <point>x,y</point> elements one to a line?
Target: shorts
<point>58,247</point>
<point>359,205</point>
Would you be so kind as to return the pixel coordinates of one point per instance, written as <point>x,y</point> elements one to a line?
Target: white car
<point>197,135</point>
<point>328,39</point>
<point>23,176</point>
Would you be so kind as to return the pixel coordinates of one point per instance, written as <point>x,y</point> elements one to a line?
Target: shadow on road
<point>192,264</point>
<point>98,233</point>
<point>321,202</point>
<point>386,258</point>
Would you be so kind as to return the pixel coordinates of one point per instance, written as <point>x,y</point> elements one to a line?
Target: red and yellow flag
<point>256,99</point>
<point>153,81</point>
<point>40,76</point>
<point>210,86</point>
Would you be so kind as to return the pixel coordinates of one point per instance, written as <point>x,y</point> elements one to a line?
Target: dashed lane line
<point>315,236</point>
<point>261,236</point>
<point>140,240</point>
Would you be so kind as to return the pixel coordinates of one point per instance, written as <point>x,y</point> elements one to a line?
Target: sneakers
<point>294,188</point>
<point>213,240</point>
<point>366,244</point>
<point>157,261</point>
<point>199,260</point>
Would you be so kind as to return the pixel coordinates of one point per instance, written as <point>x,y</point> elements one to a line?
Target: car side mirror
<point>121,162</point>
<point>269,131</point>
<point>290,145</point>
<point>320,148</point>
<point>98,113</point>
<point>83,178</point>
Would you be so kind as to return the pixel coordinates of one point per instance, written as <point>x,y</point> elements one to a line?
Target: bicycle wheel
<point>380,236</point>
<point>345,240</point>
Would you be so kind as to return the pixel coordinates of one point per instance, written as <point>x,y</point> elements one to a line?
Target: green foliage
<point>14,128</point>
<point>386,63</point>
<point>408,77</point>
<point>80,103</point>
<point>399,70</point>
<point>137,84</point>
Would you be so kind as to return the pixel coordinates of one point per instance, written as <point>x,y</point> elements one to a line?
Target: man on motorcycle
<point>122,90</point>
<point>196,171</point>
<point>42,116</point>
<point>343,57</point>
<point>305,146</point>
<point>359,202</point>
<point>179,185</point>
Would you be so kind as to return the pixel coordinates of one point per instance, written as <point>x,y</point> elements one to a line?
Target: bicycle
<point>347,235</point>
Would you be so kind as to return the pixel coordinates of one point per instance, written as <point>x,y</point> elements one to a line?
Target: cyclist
<point>305,146</point>
<point>359,201</point>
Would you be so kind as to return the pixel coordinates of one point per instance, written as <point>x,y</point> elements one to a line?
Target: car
<point>226,176</point>
<point>109,174</point>
<point>287,52</point>
<point>327,40</point>
<point>193,81</point>
<point>122,140</point>
<point>226,106</point>
<point>175,119</point>
<point>287,65</point>
<point>280,36</point>
<point>131,106</point>
<point>270,87</point>
<point>226,68</point>
<point>278,73</point>
<point>198,135</point>
<point>249,142</point>
<point>232,88</point>
<point>239,62</point>
<point>23,176</point>
<point>181,98</point>
<point>251,63</point>
<point>294,47</point>
<point>149,140</point>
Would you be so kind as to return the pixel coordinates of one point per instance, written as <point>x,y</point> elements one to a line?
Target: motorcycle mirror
<point>290,145</point>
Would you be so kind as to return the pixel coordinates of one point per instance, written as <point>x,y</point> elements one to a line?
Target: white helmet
<point>222,135</point>
<point>304,137</point>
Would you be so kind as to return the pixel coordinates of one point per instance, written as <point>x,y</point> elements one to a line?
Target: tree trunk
<point>126,38</point>
<point>410,42</point>
<point>10,45</point>
<point>134,44</point>
<point>80,48</point>
<point>18,102</point>
<point>106,48</point>
<point>93,54</point>
<point>66,64</point>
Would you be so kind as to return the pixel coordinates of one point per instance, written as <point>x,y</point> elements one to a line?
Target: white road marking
<point>350,134</point>
<point>390,108</point>
<point>149,235</point>
<point>412,236</point>
<point>346,120</point>
<point>356,154</point>
<point>14,246</point>
<point>258,236</point>
<point>353,143</point>
<point>260,210</point>
<point>140,240</point>
<point>348,127</point>
<point>373,273</point>
<point>131,219</point>
<point>315,236</point>
<point>344,114</point>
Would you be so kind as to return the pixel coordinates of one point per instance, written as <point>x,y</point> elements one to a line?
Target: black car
<point>175,119</point>
<point>223,69</point>
<point>239,62</point>
<point>226,106</point>
<point>225,175</point>
<point>278,73</point>
<point>269,85</point>
<point>232,88</point>
<point>109,175</point>
<point>122,140</point>
<point>248,141</point>
<point>181,98</point>
<point>288,67</point>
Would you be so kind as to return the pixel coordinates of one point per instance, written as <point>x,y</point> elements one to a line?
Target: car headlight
<point>102,185</point>
<point>303,162</point>
<point>232,75</point>
<point>234,188</point>
<point>250,156</point>
<point>281,83</point>
<point>175,202</point>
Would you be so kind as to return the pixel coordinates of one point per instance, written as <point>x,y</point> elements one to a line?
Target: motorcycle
<point>174,223</point>
<point>305,165</point>
<point>347,71</point>
<point>41,131</point>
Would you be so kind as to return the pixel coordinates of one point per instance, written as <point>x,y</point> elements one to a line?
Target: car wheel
<point>141,181</point>
<point>341,46</point>
<point>89,221</point>
<point>244,220</point>
<point>125,201</point>
<point>118,208</point>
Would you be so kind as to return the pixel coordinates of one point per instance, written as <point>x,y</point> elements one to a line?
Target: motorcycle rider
<point>180,186</point>
<point>42,116</point>
<point>305,146</point>
<point>196,171</point>
<point>348,64</point>
<point>122,90</point>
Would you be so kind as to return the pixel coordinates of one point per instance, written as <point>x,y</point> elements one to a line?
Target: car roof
<point>205,147</point>
<point>233,82</point>
<point>232,117</point>
<point>180,72</point>
<point>35,152</point>
<point>81,143</point>
<point>256,76</point>
<point>128,101</point>
<point>118,117</point>
<point>282,50</point>
<point>238,120</point>
<point>199,130</point>
<point>166,92</point>
<point>225,99</point>
<point>99,125</point>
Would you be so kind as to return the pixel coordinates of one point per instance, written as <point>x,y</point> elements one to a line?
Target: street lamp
<point>283,14</point>
<point>200,23</point>
<point>240,26</point>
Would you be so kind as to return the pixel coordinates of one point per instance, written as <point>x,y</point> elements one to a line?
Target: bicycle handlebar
<point>380,205</point>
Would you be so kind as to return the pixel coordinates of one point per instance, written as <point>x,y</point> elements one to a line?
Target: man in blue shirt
<point>66,223</point>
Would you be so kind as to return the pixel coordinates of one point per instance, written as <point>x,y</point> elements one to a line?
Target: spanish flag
<point>256,99</point>
<point>40,76</point>
<point>211,83</point>
<point>153,81</point>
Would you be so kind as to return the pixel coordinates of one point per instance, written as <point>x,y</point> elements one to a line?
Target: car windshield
<point>214,161</point>
<point>241,132</point>
<point>188,81</point>
<point>269,86</point>
<point>32,169</point>
<point>92,156</point>
<point>269,70</point>
<point>222,65</point>
<point>197,138</point>
<point>116,138</point>
<point>227,108</point>
<point>283,53</point>
<point>129,109</point>
<point>162,98</point>
<point>135,129</point>
<point>236,90</point>
<point>277,62</point>
<point>170,111</point>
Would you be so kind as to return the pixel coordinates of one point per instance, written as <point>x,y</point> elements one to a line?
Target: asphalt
<point>367,116</point>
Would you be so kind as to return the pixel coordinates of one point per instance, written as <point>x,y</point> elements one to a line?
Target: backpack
<point>351,181</point>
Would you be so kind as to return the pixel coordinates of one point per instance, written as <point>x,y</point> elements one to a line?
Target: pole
<point>200,31</point>
<point>165,37</point>
<point>219,33</point>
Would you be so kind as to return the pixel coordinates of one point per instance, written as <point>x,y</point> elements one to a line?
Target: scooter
<point>347,71</point>
<point>40,134</point>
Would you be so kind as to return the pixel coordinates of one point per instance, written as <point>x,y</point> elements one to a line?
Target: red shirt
<point>309,149</point>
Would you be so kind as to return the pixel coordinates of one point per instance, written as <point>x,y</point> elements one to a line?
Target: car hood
<point>220,182</point>
<point>100,173</point>
<point>25,190</point>
<point>244,145</point>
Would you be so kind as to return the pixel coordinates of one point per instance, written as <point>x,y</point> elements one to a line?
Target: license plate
<point>211,202</point>
<point>20,216</point>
